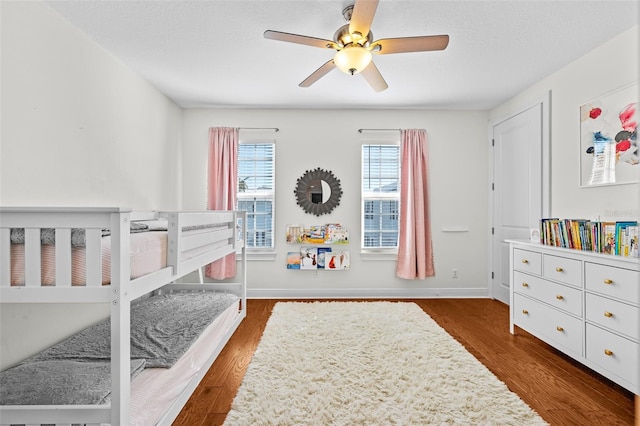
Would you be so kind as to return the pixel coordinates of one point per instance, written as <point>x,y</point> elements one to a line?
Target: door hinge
<point>492,275</point>
<point>493,142</point>
<point>493,186</point>
<point>492,230</point>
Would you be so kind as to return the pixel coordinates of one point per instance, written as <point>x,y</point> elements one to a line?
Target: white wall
<point>78,129</point>
<point>608,67</point>
<point>329,139</point>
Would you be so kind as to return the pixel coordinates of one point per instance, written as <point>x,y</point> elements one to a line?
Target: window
<point>256,195</point>
<point>380,197</point>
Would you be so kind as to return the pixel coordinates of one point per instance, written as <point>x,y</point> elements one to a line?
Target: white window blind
<point>256,194</point>
<point>380,196</point>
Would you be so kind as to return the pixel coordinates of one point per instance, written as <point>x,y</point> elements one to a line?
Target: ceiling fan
<point>354,45</point>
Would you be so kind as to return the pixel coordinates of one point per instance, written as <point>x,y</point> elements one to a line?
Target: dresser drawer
<point>563,297</point>
<point>613,315</point>
<point>559,329</point>
<point>565,270</point>
<point>613,353</point>
<point>527,261</point>
<point>623,284</point>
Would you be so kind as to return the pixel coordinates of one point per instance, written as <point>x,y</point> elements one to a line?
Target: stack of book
<point>618,238</point>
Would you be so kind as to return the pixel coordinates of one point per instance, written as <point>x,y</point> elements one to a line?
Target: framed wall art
<point>609,138</point>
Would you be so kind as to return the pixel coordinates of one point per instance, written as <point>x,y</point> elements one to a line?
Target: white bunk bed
<point>193,239</point>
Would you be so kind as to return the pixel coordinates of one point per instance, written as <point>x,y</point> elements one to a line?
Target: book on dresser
<point>623,237</point>
<point>609,237</point>
<point>618,238</point>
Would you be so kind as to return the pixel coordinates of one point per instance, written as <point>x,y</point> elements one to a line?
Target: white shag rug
<point>368,363</point>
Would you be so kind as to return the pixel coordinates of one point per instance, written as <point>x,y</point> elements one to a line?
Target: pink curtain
<point>221,188</point>
<point>415,251</point>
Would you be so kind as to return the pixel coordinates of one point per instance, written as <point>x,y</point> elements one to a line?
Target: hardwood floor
<point>561,390</point>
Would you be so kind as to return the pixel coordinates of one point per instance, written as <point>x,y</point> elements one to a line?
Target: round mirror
<point>318,192</point>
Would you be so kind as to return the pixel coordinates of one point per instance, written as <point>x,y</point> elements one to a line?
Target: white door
<point>517,204</point>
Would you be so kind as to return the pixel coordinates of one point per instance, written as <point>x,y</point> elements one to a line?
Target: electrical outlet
<point>455,273</point>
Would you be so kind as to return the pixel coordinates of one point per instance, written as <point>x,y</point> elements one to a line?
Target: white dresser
<point>585,304</point>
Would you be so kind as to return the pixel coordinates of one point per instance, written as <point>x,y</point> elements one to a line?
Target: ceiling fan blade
<point>410,44</point>
<point>374,78</point>
<point>362,16</point>
<point>318,74</point>
<point>299,39</point>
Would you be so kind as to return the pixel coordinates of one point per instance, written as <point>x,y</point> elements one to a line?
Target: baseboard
<point>368,293</point>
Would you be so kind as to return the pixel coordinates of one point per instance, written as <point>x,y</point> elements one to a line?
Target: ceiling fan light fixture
<point>352,59</point>
<point>354,44</point>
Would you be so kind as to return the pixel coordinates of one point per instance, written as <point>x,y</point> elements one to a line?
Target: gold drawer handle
<point>607,352</point>
<point>559,297</point>
<point>525,285</point>
<point>524,311</point>
<point>525,261</point>
<point>608,281</point>
<point>559,269</point>
<point>559,328</point>
<point>608,314</point>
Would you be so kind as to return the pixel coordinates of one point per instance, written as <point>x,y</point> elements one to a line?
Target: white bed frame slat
<point>148,283</point>
<point>44,414</point>
<point>200,218</point>
<point>62,217</point>
<point>187,252</point>
<point>63,257</point>
<point>55,294</point>
<point>32,257</point>
<point>93,252</point>
<point>190,242</point>
<point>198,261</point>
<point>173,235</point>
<point>5,257</point>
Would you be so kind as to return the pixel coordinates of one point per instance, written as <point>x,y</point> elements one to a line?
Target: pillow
<point>137,227</point>
<point>154,225</point>
<point>60,382</point>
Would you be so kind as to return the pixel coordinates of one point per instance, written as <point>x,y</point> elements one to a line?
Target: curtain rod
<point>275,129</point>
<point>377,130</point>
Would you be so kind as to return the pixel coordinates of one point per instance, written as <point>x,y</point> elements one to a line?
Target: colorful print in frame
<point>609,138</point>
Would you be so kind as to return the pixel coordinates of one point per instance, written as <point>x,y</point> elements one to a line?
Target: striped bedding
<point>148,254</point>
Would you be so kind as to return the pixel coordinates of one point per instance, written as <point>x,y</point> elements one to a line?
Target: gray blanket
<point>67,382</point>
<point>77,370</point>
<point>162,329</point>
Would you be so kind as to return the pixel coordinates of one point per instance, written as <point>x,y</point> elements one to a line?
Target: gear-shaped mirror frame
<point>302,192</point>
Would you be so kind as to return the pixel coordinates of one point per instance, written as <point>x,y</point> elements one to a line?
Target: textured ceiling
<point>213,54</point>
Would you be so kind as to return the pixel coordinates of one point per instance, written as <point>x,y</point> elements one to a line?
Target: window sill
<point>258,255</point>
<point>378,255</point>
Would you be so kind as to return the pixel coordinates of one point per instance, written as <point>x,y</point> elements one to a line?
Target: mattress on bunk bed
<point>155,389</point>
<point>148,254</point>
<point>164,328</point>
<point>148,248</point>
